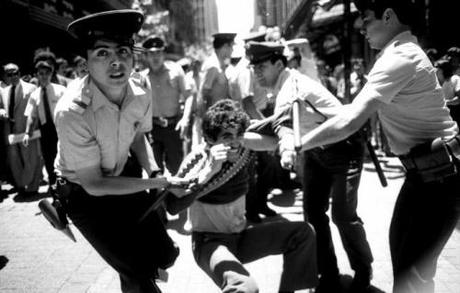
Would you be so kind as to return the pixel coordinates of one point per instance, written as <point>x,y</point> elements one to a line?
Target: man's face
<point>230,137</point>
<point>267,73</point>
<point>12,77</point>
<point>44,76</point>
<point>227,50</point>
<point>374,30</point>
<point>155,59</point>
<point>110,64</point>
<point>81,68</point>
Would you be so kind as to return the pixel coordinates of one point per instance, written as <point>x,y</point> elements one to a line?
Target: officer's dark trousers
<point>335,173</point>
<point>424,217</point>
<point>135,250</point>
<point>263,178</point>
<point>167,147</point>
<point>48,143</point>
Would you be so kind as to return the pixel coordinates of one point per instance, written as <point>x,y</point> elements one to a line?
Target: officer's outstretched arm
<point>97,184</point>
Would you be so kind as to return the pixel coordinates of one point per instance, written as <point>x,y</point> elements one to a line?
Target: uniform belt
<point>165,121</point>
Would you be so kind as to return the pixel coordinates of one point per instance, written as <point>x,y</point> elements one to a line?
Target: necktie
<point>12,103</point>
<point>46,104</point>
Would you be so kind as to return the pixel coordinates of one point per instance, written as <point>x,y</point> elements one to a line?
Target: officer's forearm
<point>119,185</point>
<point>141,148</point>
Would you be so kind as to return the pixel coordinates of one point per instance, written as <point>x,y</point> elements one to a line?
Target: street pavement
<point>34,257</point>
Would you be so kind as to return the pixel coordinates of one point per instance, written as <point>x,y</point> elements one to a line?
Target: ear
<point>388,15</point>
<point>279,65</point>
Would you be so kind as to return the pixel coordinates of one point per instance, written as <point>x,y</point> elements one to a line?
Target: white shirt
<point>100,133</point>
<point>36,108</point>
<point>292,85</point>
<point>414,109</point>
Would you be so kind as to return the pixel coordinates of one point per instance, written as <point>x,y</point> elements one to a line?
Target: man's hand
<point>182,126</point>
<point>218,155</point>
<point>25,140</point>
<point>180,186</point>
<point>288,159</point>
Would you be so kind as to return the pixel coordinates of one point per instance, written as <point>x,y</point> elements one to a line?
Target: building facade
<point>205,19</point>
<point>31,24</point>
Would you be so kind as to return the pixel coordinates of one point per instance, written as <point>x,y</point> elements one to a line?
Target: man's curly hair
<point>223,114</point>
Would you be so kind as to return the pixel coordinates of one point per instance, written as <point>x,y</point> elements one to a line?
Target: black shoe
<point>268,212</point>
<point>254,218</point>
<point>361,282</point>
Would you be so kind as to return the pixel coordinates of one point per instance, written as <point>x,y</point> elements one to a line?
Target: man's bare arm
<point>349,120</point>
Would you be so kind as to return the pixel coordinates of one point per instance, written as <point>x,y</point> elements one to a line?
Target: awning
<point>335,13</point>
<point>49,18</point>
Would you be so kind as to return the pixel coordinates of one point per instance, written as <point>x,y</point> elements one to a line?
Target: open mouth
<point>117,75</point>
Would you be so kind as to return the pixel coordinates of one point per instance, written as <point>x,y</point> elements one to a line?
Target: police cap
<point>259,52</point>
<point>224,37</point>
<point>154,43</point>
<point>114,25</point>
<point>11,67</point>
<point>255,37</point>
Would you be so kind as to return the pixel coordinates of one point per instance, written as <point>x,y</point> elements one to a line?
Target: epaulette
<point>79,104</point>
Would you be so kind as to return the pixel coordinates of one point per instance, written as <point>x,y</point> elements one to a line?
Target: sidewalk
<point>34,257</point>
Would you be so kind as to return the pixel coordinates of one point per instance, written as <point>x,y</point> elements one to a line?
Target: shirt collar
<point>98,100</point>
<point>403,37</point>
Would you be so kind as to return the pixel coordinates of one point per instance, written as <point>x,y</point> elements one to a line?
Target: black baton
<point>378,168</point>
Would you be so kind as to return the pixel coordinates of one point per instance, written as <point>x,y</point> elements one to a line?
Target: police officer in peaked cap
<point>102,152</point>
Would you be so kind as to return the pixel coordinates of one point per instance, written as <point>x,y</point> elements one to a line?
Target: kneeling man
<point>222,242</point>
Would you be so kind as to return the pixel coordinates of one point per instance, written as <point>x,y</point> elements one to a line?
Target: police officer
<point>332,171</point>
<point>214,86</point>
<point>172,104</point>
<point>402,88</point>
<point>101,124</point>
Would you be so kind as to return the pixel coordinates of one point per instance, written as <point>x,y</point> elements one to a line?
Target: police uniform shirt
<point>93,131</point>
<point>414,108</point>
<point>168,90</point>
<point>35,108</point>
<point>214,80</point>
<point>292,85</point>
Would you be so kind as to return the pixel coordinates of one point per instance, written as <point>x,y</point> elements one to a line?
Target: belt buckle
<point>163,121</point>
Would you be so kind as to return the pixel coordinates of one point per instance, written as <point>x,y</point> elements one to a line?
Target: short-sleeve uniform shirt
<point>92,131</point>
<point>292,85</point>
<point>214,80</point>
<point>414,109</point>
<point>169,88</point>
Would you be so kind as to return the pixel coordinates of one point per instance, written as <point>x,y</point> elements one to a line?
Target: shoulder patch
<point>79,104</point>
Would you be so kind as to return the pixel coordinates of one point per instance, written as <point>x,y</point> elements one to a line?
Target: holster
<point>435,160</point>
